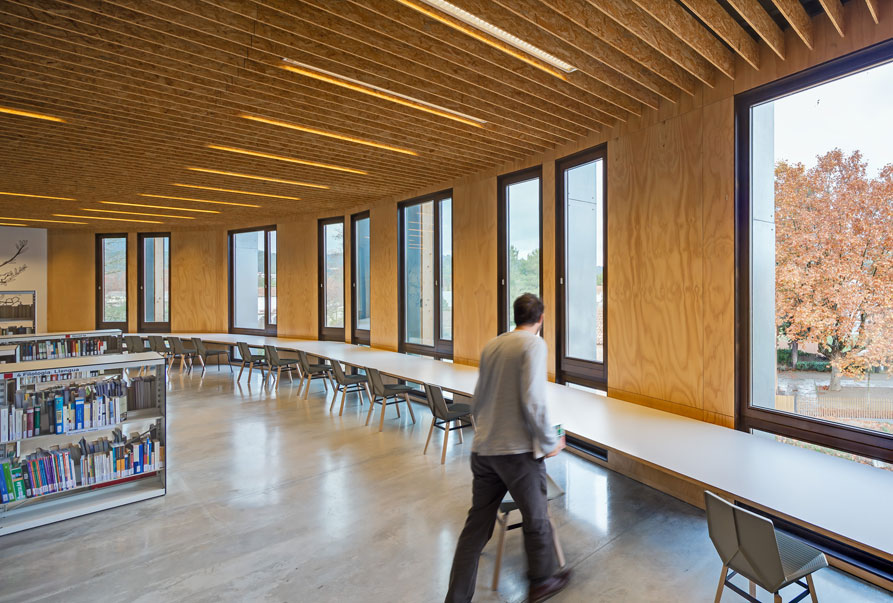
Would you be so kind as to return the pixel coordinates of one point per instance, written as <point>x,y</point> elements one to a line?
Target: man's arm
<point>533,397</point>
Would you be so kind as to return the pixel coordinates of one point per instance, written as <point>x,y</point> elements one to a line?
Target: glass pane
<point>584,263</point>
<point>249,311</point>
<point>824,450</point>
<point>523,216</point>
<point>272,239</point>
<point>822,252</point>
<point>362,277</point>
<point>114,279</point>
<point>446,269</point>
<point>156,275</point>
<point>418,278</point>
<point>334,274</point>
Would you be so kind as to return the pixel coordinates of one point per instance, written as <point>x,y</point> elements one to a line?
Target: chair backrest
<point>305,364</point>
<point>375,382</point>
<point>272,355</point>
<point>339,372</point>
<point>177,345</point>
<point>436,402</point>
<point>134,344</point>
<point>244,351</point>
<point>156,343</point>
<point>199,346</point>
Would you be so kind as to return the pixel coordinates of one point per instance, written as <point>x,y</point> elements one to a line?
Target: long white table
<point>846,500</point>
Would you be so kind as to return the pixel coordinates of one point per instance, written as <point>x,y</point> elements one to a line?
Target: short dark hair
<point>528,309</point>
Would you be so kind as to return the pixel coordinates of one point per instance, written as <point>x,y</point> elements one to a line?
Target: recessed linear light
<point>229,190</point>
<point>368,143</point>
<point>41,220</point>
<point>197,200</point>
<point>253,177</point>
<point>12,111</point>
<point>382,93</point>
<point>166,207</point>
<point>136,213</point>
<point>109,219</point>
<point>11,224</point>
<point>488,28</point>
<point>288,159</point>
<point>37,196</point>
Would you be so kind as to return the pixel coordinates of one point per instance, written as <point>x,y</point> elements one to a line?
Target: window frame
<point>100,289</point>
<point>748,417</point>
<point>152,327</point>
<point>269,328</point>
<point>442,348</point>
<point>502,250</point>
<point>567,369</point>
<point>358,336</point>
<point>329,333</point>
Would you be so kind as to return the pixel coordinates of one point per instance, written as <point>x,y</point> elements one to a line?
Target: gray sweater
<point>509,403</point>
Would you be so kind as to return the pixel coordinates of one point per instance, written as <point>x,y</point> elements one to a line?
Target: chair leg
<point>559,552</point>
<point>722,583</point>
<point>461,437</point>
<point>278,375</point>
<point>446,438</point>
<point>250,368</point>
<point>409,406</point>
<point>343,398</point>
<point>814,595</point>
<point>502,521</point>
<point>384,407</point>
<point>371,410</point>
<point>241,368</point>
<point>397,406</point>
<point>307,386</point>
<point>368,394</point>
<point>474,425</point>
<point>430,431</point>
<point>752,589</point>
<point>778,598</point>
<point>291,377</point>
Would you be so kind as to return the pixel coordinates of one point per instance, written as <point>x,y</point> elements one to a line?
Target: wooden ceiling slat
<point>765,26</point>
<point>796,15</point>
<point>725,26</point>
<point>872,8</point>
<point>834,10</point>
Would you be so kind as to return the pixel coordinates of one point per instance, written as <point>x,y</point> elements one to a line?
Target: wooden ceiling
<point>145,86</point>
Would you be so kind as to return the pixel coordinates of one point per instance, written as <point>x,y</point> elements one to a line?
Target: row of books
<point>63,468</point>
<point>59,376</point>
<point>11,311</point>
<point>64,348</point>
<point>142,393</point>
<point>16,330</point>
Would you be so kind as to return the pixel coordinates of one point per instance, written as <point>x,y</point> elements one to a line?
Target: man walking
<point>513,436</point>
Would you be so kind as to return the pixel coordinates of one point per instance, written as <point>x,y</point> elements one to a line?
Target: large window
<point>154,259</point>
<point>426,276</point>
<point>361,268</point>
<point>520,267</point>
<point>580,229</point>
<point>253,281</point>
<point>815,235</point>
<point>111,281</point>
<point>331,279</point>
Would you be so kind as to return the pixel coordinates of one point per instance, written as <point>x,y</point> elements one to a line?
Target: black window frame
<point>567,369</point>
<point>502,250</point>
<point>748,417</point>
<point>358,336</point>
<point>442,348</point>
<point>152,327</point>
<point>269,329</point>
<point>100,293</point>
<point>329,333</point>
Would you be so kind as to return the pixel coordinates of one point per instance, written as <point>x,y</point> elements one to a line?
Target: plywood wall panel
<point>298,278</point>
<point>71,281</point>
<point>550,299</point>
<point>199,286</point>
<point>384,241</point>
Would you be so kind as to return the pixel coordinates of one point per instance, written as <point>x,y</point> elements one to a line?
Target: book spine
<point>4,495</point>
<point>4,424</point>
<point>79,414</point>
<point>18,483</point>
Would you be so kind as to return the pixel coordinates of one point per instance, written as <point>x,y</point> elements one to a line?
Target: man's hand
<point>561,444</point>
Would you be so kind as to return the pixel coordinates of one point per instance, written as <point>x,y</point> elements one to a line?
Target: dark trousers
<point>525,478</point>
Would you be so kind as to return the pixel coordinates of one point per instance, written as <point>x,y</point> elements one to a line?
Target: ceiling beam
<point>728,30</point>
<point>765,26</point>
<point>834,10</point>
<point>796,15</point>
<point>872,8</point>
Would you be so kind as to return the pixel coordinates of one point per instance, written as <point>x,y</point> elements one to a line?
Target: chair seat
<point>318,368</point>
<point>553,491</point>
<point>354,379</point>
<point>215,352</point>
<point>457,411</point>
<point>257,357</point>
<point>396,388</point>
<point>798,558</point>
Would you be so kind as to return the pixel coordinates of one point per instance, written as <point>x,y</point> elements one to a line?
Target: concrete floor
<point>271,498</point>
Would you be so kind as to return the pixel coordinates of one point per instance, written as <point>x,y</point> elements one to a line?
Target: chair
<point>347,383</point>
<point>508,505</point>
<point>204,354</point>
<point>252,360</point>
<point>313,371</point>
<point>444,415</point>
<point>749,544</point>
<point>157,344</point>
<point>179,350</point>
<point>135,344</point>
<point>274,360</point>
<point>382,392</point>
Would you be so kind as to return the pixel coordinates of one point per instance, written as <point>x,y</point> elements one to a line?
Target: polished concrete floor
<point>271,498</point>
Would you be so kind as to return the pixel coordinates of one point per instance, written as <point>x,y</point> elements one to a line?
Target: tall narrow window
<point>111,281</point>
<point>520,240</point>
<point>331,279</point>
<point>154,260</point>
<point>361,294</point>
<point>253,281</point>
<point>580,229</point>
<point>426,276</point>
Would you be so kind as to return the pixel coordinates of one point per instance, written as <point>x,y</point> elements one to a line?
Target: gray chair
<point>157,344</point>
<point>252,360</point>
<point>275,361</point>
<point>386,394</point>
<point>748,544</point>
<point>347,383</point>
<point>446,417</point>
<point>310,372</point>
<point>204,354</point>
<point>179,350</point>
<point>135,344</point>
<point>508,505</point>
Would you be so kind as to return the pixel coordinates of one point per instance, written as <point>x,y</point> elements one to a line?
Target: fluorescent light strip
<point>382,93</point>
<point>21,113</point>
<point>368,143</point>
<point>38,196</point>
<point>490,29</point>
<point>203,211</point>
<point>136,213</point>
<point>229,190</point>
<point>196,200</point>
<point>109,219</point>
<point>253,177</point>
<point>288,159</point>
<point>11,224</point>
<point>41,220</point>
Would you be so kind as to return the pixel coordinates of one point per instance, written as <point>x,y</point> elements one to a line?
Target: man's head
<point>528,310</point>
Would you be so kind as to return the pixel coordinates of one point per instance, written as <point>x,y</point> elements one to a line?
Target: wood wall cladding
<point>71,281</point>
<point>199,276</point>
<point>384,251</point>
<point>297,273</point>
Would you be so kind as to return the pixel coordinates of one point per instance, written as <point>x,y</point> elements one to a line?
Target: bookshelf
<point>80,435</point>
<point>73,344</point>
<point>18,312</point>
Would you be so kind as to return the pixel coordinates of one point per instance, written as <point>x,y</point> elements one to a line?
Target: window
<point>331,279</point>
<point>111,281</point>
<point>520,240</point>
<point>361,294</point>
<point>815,263</point>
<point>154,260</point>
<point>580,230</point>
<point>253,281</point>
<point>426,276</point>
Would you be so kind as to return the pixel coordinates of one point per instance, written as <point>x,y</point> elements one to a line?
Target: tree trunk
<point>835,379</point>
<point>795,349</point>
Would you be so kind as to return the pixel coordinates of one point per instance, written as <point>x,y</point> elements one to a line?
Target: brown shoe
<point>550,586</point>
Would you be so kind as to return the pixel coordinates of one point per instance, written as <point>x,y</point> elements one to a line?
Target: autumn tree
<point>834,260</point>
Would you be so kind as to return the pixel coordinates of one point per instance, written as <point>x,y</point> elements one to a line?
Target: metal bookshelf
<point>112,336</point>
<point>84,498</point>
